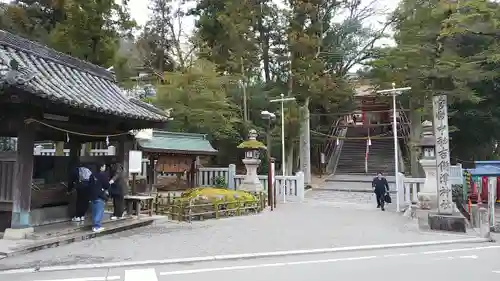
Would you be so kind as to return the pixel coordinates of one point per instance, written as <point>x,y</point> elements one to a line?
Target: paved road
<point>324,220</point>
<point>452,262</point>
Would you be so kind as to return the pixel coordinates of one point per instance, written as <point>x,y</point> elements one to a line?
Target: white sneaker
<point>82,218</point>
<point>114,218</point>
<point>97,229</point>
<point>76,219</point>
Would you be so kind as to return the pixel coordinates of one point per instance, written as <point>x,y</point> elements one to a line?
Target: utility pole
<point>270,117</point>
<point>282,99</point>
<point>395,92</point>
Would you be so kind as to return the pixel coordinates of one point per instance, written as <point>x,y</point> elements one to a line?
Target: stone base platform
<point>58,234</point>
<point>453,223</point>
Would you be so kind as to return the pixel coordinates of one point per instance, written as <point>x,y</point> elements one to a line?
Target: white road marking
<point>109,278</point>
<point>454,258</point>
<point>251,255</point>
<point>496,271</point>
<point>444,259</point>
<point>474,257</point>
<point>146,274</point>
<point>243,267</point>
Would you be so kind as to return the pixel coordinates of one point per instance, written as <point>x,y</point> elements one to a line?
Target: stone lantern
<point>252,149</point>
<point>427,197</point>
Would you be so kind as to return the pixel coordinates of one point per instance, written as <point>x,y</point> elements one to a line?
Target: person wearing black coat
<point>98,196</point>
<point>380,188</point>
<point>81,180</point>
<point>118,184</point>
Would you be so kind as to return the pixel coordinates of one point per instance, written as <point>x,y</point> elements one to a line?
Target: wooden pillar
<point>192,173</point>
<point>23,174</point>
<point>153,168</point>
<point>124,147</point>
<point>150,174</point>
<point>75,148</point>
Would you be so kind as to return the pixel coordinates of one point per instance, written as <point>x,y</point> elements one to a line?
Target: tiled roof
<point>170,142</point>
<point>64,79</point>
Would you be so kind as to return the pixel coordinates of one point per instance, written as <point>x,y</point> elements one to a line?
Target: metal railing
<point>404,129</point>
<point>333,144</point>
<point>338,149</point>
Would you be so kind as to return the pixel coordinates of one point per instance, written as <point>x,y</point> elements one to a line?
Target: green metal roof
<point>172,142</point>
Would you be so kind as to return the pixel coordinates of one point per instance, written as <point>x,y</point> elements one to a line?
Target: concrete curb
<point>74,237</point>
<point>242,256</point>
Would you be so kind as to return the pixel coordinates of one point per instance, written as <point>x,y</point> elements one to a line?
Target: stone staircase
<point>352,156</point>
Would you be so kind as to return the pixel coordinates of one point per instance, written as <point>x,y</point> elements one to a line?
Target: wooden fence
<point>40,150</point>
<point>188,210</point>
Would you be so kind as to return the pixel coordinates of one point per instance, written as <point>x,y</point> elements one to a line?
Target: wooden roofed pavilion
<point>174,153</point>
<point>48,95</point>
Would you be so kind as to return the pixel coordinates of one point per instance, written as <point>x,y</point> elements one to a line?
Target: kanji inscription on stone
<point>440,112</point>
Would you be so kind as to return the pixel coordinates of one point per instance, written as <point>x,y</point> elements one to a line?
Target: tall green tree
<point>199,100</point>
<point>441,50</point>
<point>89,30</point>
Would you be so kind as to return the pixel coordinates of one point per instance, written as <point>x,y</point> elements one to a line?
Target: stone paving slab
<point>319,222</point>
<point>357,178</point>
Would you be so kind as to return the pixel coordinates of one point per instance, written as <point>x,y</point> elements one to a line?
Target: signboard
<point>440,112</point>
<point>173,164</point>
<point>135,162</point>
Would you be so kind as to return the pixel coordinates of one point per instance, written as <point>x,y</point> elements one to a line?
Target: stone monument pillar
<point>427,197</point>
<point>252,148</point>
<point>446,218</point>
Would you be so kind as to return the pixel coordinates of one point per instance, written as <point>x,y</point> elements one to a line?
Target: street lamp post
<point>394,92</point>
<point>282,99</point>
<point>270,117</point>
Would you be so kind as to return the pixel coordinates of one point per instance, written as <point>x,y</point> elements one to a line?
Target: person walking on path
<point>381,188</point>
<point>98,196</point>
<point>117,186</point>
<point>81,180</point>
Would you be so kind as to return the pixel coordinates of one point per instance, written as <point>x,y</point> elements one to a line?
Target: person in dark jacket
<point>81,180</point>
<point>118,183</point>
<point>380,187</point>
<point>98,196</point>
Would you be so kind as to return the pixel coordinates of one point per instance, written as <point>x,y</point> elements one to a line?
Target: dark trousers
<point>380,198</point>
<point>118,205</point>
<point>82,203</point>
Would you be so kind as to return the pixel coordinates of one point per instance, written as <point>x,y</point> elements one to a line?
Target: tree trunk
<point>305,143</point>
<point>264,38</point>
<point>415,132</point>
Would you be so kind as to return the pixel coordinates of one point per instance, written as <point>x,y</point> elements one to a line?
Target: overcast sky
<point>140,12</point>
